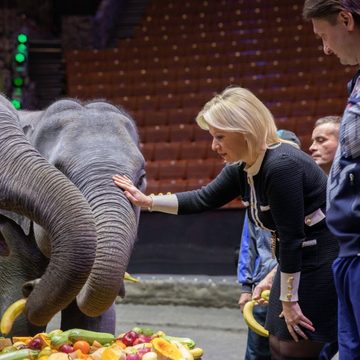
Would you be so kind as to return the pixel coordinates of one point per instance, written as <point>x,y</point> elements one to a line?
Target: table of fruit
<point>136,344</point>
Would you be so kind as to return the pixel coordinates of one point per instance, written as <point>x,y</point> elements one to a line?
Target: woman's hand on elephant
<point>132,192</point>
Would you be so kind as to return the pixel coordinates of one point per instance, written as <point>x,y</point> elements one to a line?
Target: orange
<point>83,346</point>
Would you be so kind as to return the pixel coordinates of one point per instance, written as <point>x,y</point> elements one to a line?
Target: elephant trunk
<point>30,186</point>
<point>116,225</point>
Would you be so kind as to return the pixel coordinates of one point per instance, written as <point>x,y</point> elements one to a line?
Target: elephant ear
<point>28,121</point>
<point>22,221</point>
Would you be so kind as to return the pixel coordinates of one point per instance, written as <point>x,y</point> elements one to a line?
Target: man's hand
<point>244,298</point>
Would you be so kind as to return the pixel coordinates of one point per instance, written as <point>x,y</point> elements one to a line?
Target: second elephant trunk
<point>116,224</point>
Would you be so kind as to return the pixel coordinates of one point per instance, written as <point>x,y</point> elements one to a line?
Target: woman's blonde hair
<point>238,109</point>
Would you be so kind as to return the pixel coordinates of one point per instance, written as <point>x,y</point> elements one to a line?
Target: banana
<point>129,277</point>
<point>250,320</point>
<point>185,352</point>
<point>10,314</point>
<point>265,295</point>
<point>197,353</point>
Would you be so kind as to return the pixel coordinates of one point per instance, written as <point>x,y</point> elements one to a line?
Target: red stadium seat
<point>152,186</point>
<point>172,169</point>
<point>153,118</point>
<point>202,135</point>
<point>194,150</point>
<point>170,101</point>
<point>182,132</point>
<point>182,116</point>
<point>156,133</point>
<point>167,150</point>
<point>147,149</point>
<point>200,168</point>
<point>152,170</point>
<point>172,185</point>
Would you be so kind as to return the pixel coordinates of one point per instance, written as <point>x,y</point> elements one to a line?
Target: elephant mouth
<point>28,287</point>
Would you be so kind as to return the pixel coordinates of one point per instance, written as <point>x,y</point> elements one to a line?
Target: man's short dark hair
<point>328,9</point>
<point>331,119</point>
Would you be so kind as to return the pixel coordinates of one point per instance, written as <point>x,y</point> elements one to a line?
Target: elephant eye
<point>141,184</point>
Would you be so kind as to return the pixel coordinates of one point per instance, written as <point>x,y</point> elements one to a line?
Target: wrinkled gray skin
<point>27,183</point>
<point>88,143</point>
<point>19,252</point>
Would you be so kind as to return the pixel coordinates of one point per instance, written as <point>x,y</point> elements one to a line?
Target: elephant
<point>84,144</point>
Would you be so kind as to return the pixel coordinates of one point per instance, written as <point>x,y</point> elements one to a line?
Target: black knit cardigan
<point>288,186</point>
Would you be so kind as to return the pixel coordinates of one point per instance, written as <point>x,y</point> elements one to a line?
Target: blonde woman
<point>285,191</point>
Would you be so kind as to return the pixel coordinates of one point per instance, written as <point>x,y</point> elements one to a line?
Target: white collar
<point>253,169</point>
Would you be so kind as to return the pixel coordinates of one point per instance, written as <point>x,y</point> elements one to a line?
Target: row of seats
<point>181,120</point>
<point>191,7</point>
<point>210,40</point>
<point>213,23</point>
<point>112,71</point>
<point>333,82</point>
<point>217,30</point>
<point>173,133</point>
<point>194,54</point>
<point>175,118</point>
<point>201,150</point>
<point>178,150</point>
<point>168,46</point>
<point>188,5</point>
<point>158,138</point>
<point>184,169</point>
<point>246,14</point>
<point>286,108</point>
<point>144,117</point>
<point>309,107</point>
<point>177,90</point>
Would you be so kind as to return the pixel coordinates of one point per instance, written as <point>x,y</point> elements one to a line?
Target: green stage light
<point>18,81</point>
<point>21,48</point>
<point>22,38</point>
<point>16,103</point>
<point>17,92</point>
<point>19,57</point>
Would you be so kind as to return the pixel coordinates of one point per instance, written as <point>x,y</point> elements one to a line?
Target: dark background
<point>188,244</point>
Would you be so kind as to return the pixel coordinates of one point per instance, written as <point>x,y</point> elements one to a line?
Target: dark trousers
<point>347,282</point>
<point>329,351</point>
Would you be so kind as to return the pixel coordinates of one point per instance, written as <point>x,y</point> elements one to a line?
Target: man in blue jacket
<point>255,262</point>
<point>337,23</point>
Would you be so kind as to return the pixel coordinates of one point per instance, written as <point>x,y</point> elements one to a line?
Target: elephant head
<point>32,187</point>
<point>89,143</point>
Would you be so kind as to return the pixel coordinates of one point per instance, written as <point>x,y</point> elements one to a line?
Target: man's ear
<point>346,18</point>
